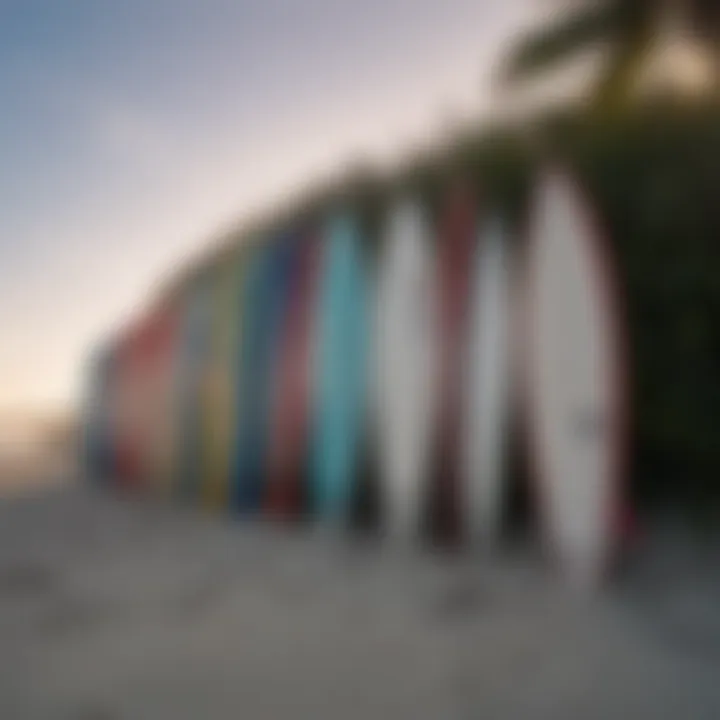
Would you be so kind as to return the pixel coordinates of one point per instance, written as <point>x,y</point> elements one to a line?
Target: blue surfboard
<point>342,337</point>
<point>241,490</point>
<point>265,286</point>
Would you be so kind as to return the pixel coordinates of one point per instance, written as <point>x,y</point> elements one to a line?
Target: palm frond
<point>615,83</point>
<point>557,41</point>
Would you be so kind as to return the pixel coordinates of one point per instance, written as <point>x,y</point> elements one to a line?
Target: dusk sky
<point>133,130</point>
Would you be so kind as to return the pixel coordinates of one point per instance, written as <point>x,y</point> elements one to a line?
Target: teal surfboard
<point>341,369</point>
<point>194,354</point>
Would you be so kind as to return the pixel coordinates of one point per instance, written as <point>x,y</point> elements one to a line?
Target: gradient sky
<point>132,130</point>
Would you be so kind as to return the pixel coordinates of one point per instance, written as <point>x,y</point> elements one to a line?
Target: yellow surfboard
<point>219,387</point>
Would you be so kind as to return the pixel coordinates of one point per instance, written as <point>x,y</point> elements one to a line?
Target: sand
<point>112,609</point>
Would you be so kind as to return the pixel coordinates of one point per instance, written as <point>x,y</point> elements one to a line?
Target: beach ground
<point>113,609</point>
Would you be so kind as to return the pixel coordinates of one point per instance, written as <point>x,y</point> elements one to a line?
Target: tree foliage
<point>625,27</point>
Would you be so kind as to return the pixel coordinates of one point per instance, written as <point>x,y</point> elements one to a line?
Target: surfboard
<point>575,385</point>
<point>284,252</point>
<point>340,364</point>
<point>404,367</point>
<point>488,378</point>
<point>112,415</point>
<point>218,385</point>
<point>144,403</point>
<point>149,378</point>
<point>115,414</point>
<point>165,371</point>
<point>128,432</point>
<point>288,452</point>
<point>456,237</point>
<point>262,303</point>
<point>162,369</point>
<point>195,345</point>
<point>242,491</point>
<point>96,416</point>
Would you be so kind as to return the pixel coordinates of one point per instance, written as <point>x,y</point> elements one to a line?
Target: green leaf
<point>615,84</point>
<point>559,41</point>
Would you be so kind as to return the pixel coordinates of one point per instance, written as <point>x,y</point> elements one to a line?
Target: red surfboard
<point>291,410</point>
<point>156,369</point>
<point>456,240</point>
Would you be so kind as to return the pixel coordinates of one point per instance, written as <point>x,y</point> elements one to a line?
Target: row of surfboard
<point>311,372</point>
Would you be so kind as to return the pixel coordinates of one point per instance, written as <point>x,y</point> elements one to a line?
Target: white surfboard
<point>488,374</point>
<point>574,389</point>
<point>404,367</point>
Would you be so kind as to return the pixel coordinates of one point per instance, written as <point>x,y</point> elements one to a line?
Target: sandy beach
<point>115,609</point>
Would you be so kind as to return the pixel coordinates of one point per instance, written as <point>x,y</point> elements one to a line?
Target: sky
<point>131,132</point>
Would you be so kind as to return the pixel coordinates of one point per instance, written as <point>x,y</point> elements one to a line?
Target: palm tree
<point>633,31</point>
